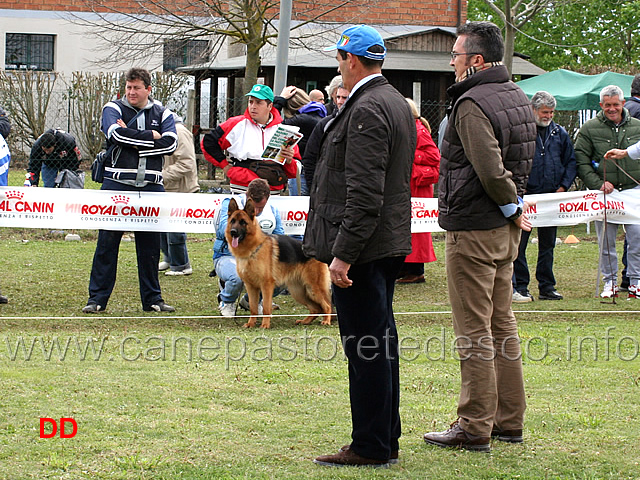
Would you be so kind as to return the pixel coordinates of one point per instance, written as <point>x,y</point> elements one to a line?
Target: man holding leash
<point>360,224</point>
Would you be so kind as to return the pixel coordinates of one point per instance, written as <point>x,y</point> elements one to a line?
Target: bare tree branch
<point>140,29</point>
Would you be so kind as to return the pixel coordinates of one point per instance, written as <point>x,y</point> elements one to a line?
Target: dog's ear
<point>233,206</point>
<point>250,208</point>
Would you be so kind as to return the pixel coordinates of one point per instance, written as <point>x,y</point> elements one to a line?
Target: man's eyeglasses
<point>455,54</point>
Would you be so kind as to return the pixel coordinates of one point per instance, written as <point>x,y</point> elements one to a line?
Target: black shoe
<point>456,437</point>
<point>92,308</point>
<point>550,295</point>
<point>509,436</point>
<point>4,299</point>
<point>160,307</point>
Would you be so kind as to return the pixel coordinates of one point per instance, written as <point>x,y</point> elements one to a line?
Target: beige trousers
<point>479,270</point>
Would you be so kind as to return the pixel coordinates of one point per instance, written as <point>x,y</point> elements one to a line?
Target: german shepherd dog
<point>265,261</point>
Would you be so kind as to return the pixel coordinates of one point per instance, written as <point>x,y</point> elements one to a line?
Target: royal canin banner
<point>61,208</point>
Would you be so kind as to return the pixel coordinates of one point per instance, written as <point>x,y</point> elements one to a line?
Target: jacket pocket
<point>337,147</point>
<point>325,230</point>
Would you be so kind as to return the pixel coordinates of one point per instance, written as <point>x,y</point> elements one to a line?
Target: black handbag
<point>111,154</point>
<point>97,167</point>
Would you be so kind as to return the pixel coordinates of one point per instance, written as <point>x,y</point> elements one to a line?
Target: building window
<point>180,53</point>
<point>29,52</point>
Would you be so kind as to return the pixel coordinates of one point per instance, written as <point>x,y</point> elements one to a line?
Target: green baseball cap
<point>261,91</point>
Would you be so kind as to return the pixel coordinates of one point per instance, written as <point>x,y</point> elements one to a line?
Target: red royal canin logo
<point>590,196</point>
<point>419,210</point>
<point>14,194</point>
<point>123,199</point>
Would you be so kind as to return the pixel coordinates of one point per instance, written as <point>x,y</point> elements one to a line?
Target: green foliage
<point>589,36</point>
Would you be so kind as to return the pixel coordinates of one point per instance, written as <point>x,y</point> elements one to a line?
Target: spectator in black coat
<point>53,151</point>
<point>312,149</point>
<point>5,124</point>
<point>298,110</point>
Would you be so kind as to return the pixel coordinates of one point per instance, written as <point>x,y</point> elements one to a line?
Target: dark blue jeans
<point>105,259</point>
<point>544,267</point>
<point>370,341</point>
<point>625,279</point>
<point>174,247</point>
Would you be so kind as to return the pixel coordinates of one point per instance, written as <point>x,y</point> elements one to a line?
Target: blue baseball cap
<point>262,92</point>
<point>357,41</point>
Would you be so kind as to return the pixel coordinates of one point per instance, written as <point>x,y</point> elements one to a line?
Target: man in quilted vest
<point>486,157</point>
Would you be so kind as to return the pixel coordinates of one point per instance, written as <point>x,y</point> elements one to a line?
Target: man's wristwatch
<point>516,215</point>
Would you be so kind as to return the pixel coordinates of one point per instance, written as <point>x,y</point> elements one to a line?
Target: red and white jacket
<point>243,139</point>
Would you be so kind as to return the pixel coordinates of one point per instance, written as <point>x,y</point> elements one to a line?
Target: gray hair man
<point>552,171</point>
<point>613,127</point>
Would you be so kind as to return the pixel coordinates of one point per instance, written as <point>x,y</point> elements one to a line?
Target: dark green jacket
<point>595,138</point>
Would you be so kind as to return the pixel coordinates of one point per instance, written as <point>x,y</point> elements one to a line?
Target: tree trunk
<point>509,36</point>
<point>253,66</point>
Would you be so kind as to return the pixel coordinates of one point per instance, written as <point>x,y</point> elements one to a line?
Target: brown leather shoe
<point>393,458</point>
<point>509,436</point>
<point>348,458</point>
<point>411,279</point>
<point>456,437</point>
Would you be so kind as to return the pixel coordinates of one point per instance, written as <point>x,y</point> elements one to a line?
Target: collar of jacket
<point>603,119</point>
<point>150,103</point>
<point>276,118</point>
<point>497,74</point>
<point>376,81</point>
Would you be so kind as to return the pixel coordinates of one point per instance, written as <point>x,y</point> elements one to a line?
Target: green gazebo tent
<point>575,91</point>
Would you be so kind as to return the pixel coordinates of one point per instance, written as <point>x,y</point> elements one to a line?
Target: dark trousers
<point>370,341</point>
<point>105,259</point>
<point>173,245</point>
<point>544,267</point>
<point>625,279</point>
<point>413,268</point>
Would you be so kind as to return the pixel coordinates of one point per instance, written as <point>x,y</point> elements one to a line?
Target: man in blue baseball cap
<point>358,40</point>
<point>359,223</point>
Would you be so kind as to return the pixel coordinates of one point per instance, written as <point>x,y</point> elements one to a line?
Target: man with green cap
<point>244,138</point>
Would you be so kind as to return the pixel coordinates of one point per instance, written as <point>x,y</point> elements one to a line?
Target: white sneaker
<point>610,290</point>
<point>174,273</point>
<point>227,309</point>
<point>244,304</point>
<point>162,266</point>
<point>517,297</point>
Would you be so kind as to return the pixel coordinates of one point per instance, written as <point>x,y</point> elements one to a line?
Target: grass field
<point>193,395</point>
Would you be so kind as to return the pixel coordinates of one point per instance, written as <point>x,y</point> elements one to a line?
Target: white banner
<point>61,208</point>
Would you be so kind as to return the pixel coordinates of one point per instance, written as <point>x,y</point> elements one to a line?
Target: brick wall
<point>398,12</point>
<point>403,12</point>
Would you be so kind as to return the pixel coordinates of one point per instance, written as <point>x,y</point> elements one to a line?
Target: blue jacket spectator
<point>554,164</point>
